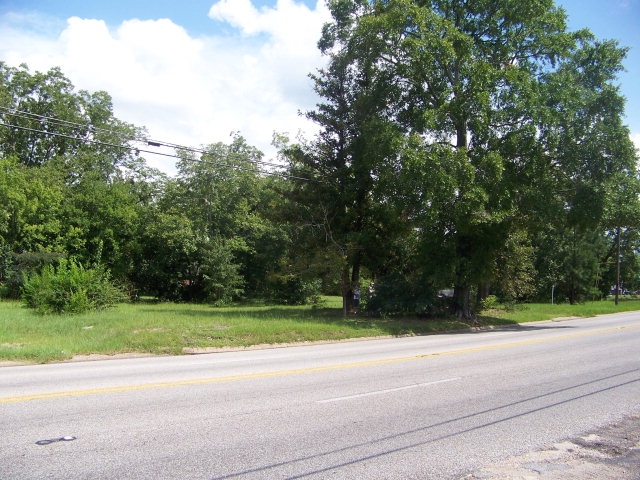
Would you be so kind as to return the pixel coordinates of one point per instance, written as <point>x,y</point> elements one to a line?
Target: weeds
<point>169,328</point>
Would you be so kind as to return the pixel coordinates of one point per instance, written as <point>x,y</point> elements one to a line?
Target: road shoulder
<point>609,453</point>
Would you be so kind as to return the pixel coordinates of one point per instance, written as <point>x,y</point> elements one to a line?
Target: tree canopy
<point>474,147</point>
<point>493,119</point>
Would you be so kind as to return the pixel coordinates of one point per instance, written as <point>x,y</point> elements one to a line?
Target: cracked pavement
<point>609,453</point>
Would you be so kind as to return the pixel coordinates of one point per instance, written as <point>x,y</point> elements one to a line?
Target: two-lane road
<point>430,407</point>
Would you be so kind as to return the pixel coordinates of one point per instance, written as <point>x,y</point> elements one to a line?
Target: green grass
<point>166,328</point>
<point>535,312</point>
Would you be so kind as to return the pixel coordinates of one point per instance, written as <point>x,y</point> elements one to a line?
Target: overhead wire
<point>137,150</point>
<point>155,143</point>
<point>93,129</point>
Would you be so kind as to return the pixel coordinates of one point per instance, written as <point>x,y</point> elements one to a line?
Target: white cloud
<point>187,90</point>
<point>635,138</point>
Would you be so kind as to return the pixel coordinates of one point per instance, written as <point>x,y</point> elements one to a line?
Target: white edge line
<point>388,390</point>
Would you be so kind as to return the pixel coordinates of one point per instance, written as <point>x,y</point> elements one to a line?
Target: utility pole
<point>618,268</point>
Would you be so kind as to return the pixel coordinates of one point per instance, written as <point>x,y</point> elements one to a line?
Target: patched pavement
<point>609,453</point>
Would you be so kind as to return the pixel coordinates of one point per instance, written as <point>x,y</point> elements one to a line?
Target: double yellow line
<point>296,371</point>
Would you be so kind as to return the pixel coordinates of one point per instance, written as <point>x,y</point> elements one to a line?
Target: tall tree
<point>75,185</point>
<point>486,91</point>
<point>43,117</point>
<point>341,173</point>
<point>30,208</point>
<point>215,203</point>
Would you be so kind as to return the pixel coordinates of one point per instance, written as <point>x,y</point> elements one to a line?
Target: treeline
<point>73,184</point>
<point>478,149</point>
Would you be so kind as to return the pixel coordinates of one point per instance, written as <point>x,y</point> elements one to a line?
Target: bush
<point>70,288</point>
<point>14,266</point>
<point>399,295</point>
<point>292,290</point>
<point>489,302</point>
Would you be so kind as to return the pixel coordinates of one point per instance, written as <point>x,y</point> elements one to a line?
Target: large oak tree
<point>509,119</point>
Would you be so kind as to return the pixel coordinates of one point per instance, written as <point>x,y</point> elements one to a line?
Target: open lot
<point>170,329</point>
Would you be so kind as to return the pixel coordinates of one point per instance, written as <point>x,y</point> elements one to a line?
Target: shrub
<point>14,266</point>
<point>399,295</point>
<point>292,290</point>
<point>70,288</point>
<point>489,302</point>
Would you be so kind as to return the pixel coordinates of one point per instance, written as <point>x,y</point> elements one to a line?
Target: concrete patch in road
<point>610,453</point>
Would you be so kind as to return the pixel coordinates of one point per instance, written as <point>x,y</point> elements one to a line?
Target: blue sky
<point>191,14</point>
<point>617,20</point>
<point>218,66</point>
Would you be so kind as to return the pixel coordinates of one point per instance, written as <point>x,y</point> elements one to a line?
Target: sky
<point>196,72</point>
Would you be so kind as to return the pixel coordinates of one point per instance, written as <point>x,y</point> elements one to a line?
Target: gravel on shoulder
<point>609,453</point>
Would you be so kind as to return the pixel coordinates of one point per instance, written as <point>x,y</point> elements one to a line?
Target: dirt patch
<point>96,356</point>
<point>9,363</point>
<point>562,319</point>
<point>265,346</point>
<point>610,453</point>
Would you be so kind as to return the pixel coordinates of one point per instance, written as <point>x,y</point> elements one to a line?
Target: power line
<point>138,150</point>
<point>87,129</point>
<point>31,116</point>
<point>92,129</point>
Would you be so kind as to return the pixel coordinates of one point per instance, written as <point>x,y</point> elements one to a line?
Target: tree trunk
<point>346,291</point>
<point>355,274</point>
<point>617,265</point>
<point>348,284</point>
<point>484,288</point>
<point>462,302</point>
<point>462,305</point>
<point>462,290</point>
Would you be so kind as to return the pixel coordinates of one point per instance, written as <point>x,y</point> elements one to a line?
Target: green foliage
<point>102,221</point>
<point>503,122</point>
<point>292,290</point>
<point>70,288</point>
<point>569,261</point>
<point>15,266</point>
<point>30,203</point>
<point>398,295</point>
<point>346,213</point>
<point>218,273</point>
<point>48,102</point>
<point>515,274</point>
<point>6,269</point>
<point>474,144</point>
<point>489,302</point>
<point>209,237</point>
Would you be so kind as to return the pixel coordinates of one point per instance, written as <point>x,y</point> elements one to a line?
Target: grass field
<point>167,328</point>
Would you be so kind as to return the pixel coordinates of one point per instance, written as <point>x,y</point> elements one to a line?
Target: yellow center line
<point>296,371</point>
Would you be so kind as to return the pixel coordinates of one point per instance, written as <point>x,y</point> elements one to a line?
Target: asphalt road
<point>433,407</point>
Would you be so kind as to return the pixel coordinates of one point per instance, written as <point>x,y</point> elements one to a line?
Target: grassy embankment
<point>165,328</point>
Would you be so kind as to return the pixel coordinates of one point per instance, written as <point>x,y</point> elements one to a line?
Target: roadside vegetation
<point>536,312</point>
<point>471,163</point>
<point>164,328</point>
